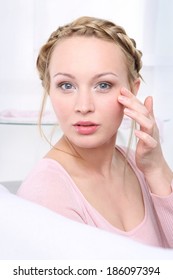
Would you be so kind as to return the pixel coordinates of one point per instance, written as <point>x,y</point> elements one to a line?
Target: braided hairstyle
<point>91,27</point>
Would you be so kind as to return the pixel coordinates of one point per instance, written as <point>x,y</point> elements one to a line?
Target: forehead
<point>89,53</point>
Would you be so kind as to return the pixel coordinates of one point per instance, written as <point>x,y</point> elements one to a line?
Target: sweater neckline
<point>96,213</point>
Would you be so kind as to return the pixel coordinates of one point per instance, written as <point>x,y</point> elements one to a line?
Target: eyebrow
<point>64,74</point>
<point>96,76</point>
<point>105,73</point>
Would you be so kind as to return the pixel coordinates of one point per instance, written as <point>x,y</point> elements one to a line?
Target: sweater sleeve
<point>164,210</point>
<point>163,205</point>
<point>51,188</point>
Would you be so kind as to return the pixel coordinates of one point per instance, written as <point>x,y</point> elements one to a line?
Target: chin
<point>89,142</point>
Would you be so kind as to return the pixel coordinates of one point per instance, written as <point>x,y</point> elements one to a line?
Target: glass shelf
<point>24,123</point>
<point>26,117</point>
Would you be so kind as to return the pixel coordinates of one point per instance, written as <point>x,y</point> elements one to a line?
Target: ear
<point>135,86</point>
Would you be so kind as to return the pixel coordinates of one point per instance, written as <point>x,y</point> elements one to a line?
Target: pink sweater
<point>51,186</point>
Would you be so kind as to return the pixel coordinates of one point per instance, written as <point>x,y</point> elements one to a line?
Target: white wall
<point>26,25</point>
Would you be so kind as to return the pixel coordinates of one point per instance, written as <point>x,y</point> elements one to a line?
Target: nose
<point>84,102</point>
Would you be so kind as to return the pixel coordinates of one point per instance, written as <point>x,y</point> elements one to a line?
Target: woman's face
<point>86,75</point>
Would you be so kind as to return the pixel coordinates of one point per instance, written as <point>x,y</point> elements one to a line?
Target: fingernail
<point>123,89</point>
<point>121,98</point>
<point>128,111</point>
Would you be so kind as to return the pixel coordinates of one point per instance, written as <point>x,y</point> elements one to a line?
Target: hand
<point>149,156</point>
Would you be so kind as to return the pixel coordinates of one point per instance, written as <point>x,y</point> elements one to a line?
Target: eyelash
<point>60,85</point>
<point>97,87</point>
<point>108,86</point>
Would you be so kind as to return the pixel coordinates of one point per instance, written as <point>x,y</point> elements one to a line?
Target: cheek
<point>60,108</point>
<point>115,118</point>
<point>116,110</point>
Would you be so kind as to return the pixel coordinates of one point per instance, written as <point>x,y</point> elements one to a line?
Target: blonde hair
<point>89,27</point>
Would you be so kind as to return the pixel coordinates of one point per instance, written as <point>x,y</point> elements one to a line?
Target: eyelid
<point>65,90</point>
<point>59,84</point>
<point>104,82</point>
<point>109,84</point>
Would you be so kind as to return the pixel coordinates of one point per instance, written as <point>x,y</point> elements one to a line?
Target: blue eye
<point>66,86</point>
<point>103,87</point>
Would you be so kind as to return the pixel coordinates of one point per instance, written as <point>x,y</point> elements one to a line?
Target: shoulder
<point>47,182</point>
<point>51,186</point>
<point>46,170</point>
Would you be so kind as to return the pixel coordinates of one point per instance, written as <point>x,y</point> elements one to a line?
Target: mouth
<point>86,123</point>
<point>85,127</point>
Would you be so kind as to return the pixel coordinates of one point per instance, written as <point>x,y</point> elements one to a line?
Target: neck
<point>100,159</point>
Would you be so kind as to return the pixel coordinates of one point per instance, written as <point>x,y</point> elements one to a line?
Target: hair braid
<point>88,27</point>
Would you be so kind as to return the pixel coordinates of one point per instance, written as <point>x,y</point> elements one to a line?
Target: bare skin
<point>107,191</point>
<point>149,156</point>
<point>101,94</point>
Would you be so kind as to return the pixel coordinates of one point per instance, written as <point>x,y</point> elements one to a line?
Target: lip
<point>86,127</point>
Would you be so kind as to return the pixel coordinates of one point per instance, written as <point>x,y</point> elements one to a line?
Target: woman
<point>90,69</point>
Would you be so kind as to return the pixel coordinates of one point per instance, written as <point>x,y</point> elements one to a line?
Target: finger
<point>149,141</point>
<point>130,101</point>
<point>124,91</point>
<point>148,103</point>
<point>146,124</point>
<point>141,113</point>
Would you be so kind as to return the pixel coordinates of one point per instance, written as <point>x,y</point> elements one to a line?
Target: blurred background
<point>26,25</point>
